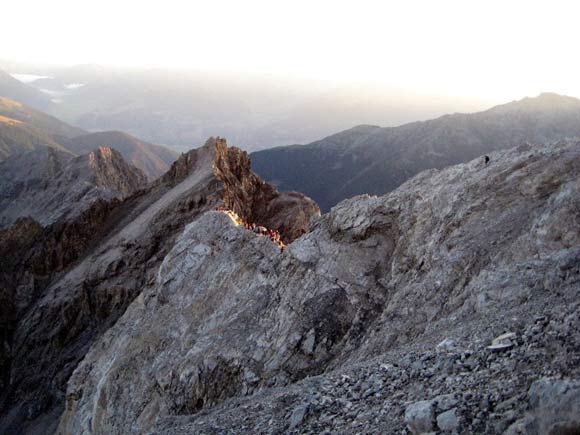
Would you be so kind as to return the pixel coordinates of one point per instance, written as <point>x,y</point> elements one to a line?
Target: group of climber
<point>263,231</point>
<point>274,235</point>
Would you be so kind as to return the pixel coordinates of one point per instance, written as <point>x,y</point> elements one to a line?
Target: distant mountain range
<point>181,108</point>
<point>24,129</point>
<point>374,160</point>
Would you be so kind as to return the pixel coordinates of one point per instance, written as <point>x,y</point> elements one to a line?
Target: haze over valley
<point>178,108</point>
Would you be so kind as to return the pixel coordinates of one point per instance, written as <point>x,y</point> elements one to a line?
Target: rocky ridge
<point>69,282</point>
<point>375,160</point>
<point>378,320</point>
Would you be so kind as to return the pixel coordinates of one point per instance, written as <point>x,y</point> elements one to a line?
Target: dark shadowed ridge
<point>369,159</point>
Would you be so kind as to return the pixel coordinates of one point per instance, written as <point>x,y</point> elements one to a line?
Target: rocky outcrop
<point>258,202</point>
<point>73,279</point>
<point>253,200</point>
<point>48,185</point>
<point>386,302</point>
<point>553,409</point>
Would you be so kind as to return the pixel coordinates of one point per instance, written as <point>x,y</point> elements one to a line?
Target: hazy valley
<point>254,111</point>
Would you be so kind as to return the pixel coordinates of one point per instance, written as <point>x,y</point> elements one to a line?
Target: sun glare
<point>492,49</point>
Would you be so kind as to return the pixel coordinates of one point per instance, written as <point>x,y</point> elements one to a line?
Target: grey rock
<point>555,405</point>
<point>447,345</point>
<point>72,281</point>
<point>298,416</point>
<point>446,402</point>
<point>420,417</point>
<point>448,420</point>
<point>218,339</point>
<point>502,342</point>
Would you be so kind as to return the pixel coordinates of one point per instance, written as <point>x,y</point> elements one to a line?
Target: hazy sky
<point>497,49</point>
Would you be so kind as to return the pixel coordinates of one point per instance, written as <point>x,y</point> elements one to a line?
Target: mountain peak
<point>104,154</point>
<point>153,160</point>
<point>544,101</point>
<point>48,184</point>
<point>455,257</point>
<point>368,159</point>
<point>113,172</point>
<point>245,193</point>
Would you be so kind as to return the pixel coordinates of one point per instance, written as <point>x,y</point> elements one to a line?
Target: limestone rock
<point>420,417</point>
<point>448,421</point>
<point>217,330</point>
<point>385,278</point>
<point>69,282</point>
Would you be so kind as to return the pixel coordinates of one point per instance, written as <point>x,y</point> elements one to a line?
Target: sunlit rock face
<point>65,284</point>
<point>385,303</point>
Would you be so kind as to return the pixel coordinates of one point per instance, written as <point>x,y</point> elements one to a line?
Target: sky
<point>493,49</point>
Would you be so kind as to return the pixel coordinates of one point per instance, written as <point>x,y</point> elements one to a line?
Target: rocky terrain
<point>450,305</point>
<point>47,184</point>
<point>63,285</point>
<point>374,160</point>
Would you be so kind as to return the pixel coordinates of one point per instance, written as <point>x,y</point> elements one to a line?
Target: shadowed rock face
<point>67,283</point>
<point>466,253</point>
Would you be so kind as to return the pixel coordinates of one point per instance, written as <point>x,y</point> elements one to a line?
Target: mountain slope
<point>50,125</point>
<point>66,284</point>
<point>456,257</point>
<point>17,137</point>
<point>16,90</point>
<point>47,184</point>
<point>368,159</point>
<point>153,160</point>
<point>23,129</point>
